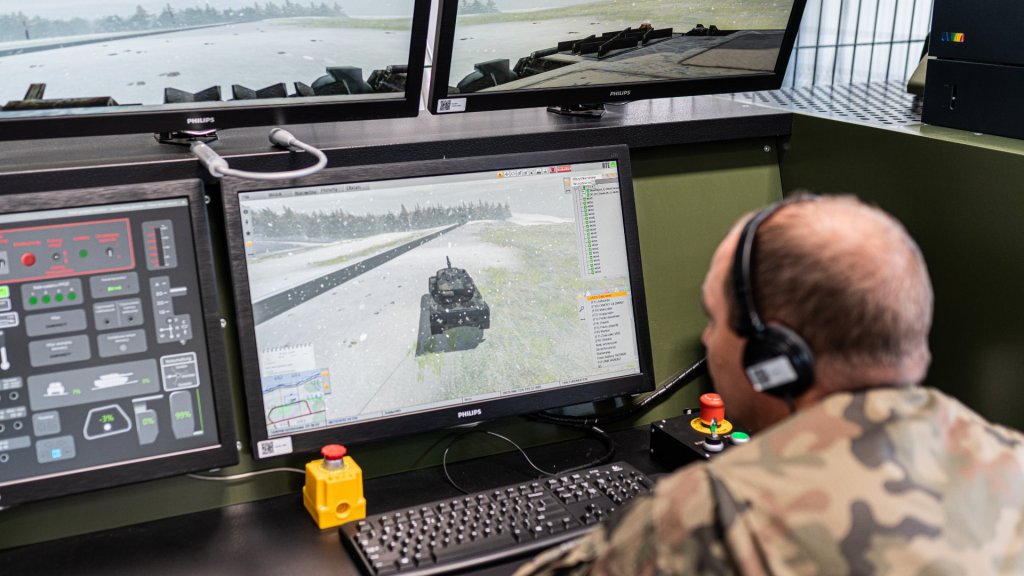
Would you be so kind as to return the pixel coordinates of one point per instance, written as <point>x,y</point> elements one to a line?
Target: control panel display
<point>103,351</point>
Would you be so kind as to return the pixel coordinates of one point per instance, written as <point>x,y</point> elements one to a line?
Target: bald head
<point>849,279</point>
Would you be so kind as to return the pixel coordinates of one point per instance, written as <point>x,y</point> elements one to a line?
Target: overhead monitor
<point>111,358</point>
<point>162,66</point>
<point>384,300</point>
<point>492,54</point>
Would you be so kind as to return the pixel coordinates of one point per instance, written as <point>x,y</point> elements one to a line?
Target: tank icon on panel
<point>455,301</point>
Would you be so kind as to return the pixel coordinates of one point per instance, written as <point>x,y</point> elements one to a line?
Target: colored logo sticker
<point>955,37</point>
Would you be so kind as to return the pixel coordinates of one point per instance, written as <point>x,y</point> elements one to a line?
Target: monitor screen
<point>111,359</point>
<point>73,68</point>
<point>384,300</point>
<point>492,54</point>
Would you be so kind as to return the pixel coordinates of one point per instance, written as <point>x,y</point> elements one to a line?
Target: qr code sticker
<point>275,447</point>
<point>449,105</point>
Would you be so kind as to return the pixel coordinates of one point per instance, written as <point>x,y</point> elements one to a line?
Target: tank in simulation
<point>455,301</point>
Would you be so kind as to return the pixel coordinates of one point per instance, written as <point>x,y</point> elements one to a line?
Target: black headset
<point>776,359</point>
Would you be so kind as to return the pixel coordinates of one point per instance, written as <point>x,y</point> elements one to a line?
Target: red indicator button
<point>711,407</point>
<point>28,259</point>
<point>333,452</point>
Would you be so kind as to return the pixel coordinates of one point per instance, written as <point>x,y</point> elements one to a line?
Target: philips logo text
<point>619,93</point>
<point>470,413</point>
<point>203,120</point>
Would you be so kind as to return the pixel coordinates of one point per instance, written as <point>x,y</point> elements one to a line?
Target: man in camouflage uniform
<point>866,472</point>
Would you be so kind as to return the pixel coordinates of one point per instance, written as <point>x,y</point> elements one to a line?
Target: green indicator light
<point>60,297</point>
<point>741,436</point>
<point>613,164</point>
<point>83,253</point>
<point>5,291</point>
<point>72,296</point>
<point>33,300</point>
<point>46,299</point>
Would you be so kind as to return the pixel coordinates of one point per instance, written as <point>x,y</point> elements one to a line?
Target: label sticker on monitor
<point>275,447</point>
<point>449,105</point>
<point>284,359</point>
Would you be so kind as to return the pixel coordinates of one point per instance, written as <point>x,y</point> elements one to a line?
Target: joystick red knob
<point>711,408</point>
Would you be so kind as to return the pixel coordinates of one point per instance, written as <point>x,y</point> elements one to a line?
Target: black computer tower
<point>975,77</point>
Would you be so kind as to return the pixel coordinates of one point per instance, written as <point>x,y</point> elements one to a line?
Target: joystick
<point>699,434</point>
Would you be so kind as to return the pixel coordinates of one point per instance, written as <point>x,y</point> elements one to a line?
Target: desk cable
<point>593,430</point>
<point>676,382</point>
<point>246,475</point>
<point>218,166</point>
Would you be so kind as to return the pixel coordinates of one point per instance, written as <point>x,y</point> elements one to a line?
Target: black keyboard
<point>492,525</point>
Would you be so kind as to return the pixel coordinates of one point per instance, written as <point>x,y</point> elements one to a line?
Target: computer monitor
<point>166,66</point>
<point>111,357</point>
<point>384,300</point>
<point>495,54</point>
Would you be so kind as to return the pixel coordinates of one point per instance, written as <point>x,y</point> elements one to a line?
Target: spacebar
<point>480,546</point>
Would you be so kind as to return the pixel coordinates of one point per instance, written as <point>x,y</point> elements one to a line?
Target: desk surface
<point>276,536</point>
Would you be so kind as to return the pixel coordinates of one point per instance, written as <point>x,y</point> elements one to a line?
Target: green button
<point>739,437</point>
<point>32,300</point>
<point>46,299</point>
<point>83,253</point>
<point>5,291</point>
<point>72,296</point>
<point>60,297</point>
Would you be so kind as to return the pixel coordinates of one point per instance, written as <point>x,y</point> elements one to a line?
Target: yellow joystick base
<point>333,497</point>
<point>724,427</point>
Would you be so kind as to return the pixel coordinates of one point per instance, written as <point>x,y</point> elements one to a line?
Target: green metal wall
<point>687,198</point>
<point>961,195</point>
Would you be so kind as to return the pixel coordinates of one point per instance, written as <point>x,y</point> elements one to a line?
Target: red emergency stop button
<point>711,408</point>
<point>28,259</point>
<point>333,452</point>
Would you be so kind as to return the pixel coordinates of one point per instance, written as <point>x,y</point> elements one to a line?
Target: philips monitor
<point>494,54</point>
<point>385,300</point>
<point>111,358</point>
<point>72,68</point>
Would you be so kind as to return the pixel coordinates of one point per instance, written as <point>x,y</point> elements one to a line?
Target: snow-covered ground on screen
<point>254,54</point>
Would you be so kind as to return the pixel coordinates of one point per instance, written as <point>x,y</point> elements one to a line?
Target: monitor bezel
<point>391,427</point>
<point>443,49</point>
<point>176,119</point>
<point>225,453</point>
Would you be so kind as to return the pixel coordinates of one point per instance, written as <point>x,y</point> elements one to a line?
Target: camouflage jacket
<point>897,481</point>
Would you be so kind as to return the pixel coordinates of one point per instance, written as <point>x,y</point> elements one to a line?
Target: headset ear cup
<point>778,361</point>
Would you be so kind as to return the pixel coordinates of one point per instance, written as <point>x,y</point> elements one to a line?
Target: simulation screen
<point>502,45</point>
<point>383,298</point>
<point>103,354</point>
<point>63,57</point>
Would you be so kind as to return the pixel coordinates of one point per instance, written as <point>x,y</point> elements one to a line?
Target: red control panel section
<point>58,251</point>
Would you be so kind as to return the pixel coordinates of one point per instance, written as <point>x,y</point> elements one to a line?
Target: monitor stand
<point>579,110</point>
